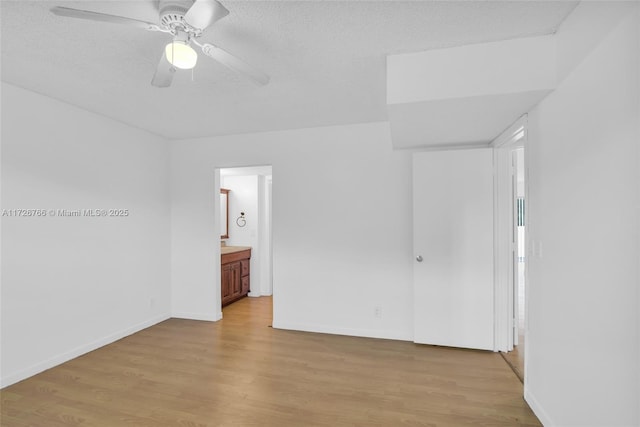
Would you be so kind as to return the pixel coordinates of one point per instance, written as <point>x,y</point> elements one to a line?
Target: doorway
<point>246,248</point>
<point>520,238</point>
<point>515,357</point>
<point>510,251</point>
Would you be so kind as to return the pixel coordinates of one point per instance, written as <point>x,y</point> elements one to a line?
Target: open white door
<point>453,246</point>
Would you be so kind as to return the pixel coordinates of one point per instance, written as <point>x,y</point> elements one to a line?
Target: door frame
<point>505,309</point>
<point>265,252</point>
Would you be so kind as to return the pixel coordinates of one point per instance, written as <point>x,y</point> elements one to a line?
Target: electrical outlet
<point>152,302</point>
<point>377,312</point>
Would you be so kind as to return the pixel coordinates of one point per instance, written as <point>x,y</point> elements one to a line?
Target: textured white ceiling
<point>326,59</point>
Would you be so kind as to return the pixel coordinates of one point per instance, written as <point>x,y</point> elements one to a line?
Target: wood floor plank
<point>241,372</point>
<point>515,358</point>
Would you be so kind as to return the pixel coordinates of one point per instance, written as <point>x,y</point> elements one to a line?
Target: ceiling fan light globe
<point>181,55</point>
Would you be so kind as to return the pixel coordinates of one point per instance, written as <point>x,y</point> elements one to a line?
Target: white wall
<point>638,210</point>
<point>341,227</point>
<point>72,284</point>
<point>583,353</point>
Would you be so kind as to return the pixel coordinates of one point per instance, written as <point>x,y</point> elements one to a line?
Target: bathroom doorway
<point>246,249</point>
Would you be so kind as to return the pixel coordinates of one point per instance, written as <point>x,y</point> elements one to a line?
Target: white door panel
<point>453,233</point>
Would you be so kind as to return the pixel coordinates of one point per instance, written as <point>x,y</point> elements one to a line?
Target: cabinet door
<point>225,282</point>
<point>245,285</point>
<point>236,283</point>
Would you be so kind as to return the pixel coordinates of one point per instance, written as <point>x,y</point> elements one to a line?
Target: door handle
<point>419,258</point>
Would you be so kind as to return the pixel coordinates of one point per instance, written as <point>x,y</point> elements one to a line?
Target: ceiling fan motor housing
<point>172,13</point>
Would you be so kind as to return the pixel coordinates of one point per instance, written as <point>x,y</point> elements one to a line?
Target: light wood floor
<point>240,372</point>
<point>515,358</point>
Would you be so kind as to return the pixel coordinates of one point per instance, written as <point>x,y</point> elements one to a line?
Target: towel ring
<point>241,221</point>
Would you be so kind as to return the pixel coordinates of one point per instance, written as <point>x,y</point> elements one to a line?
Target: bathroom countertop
<point>231,249</point>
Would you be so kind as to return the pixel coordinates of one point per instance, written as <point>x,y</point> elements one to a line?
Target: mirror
<point>224,213</point>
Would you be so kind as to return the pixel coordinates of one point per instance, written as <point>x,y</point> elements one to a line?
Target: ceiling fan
<point>185,20</point>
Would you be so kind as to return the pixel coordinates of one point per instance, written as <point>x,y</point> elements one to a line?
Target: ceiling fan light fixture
<point>185,20</point>
<point>181,55</point>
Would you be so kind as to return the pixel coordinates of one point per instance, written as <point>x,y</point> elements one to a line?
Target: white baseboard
<point>324,329</point>
<point>208,317</point>
<point>78,351</point>
<point>537,408</point>
<point>258,294</point>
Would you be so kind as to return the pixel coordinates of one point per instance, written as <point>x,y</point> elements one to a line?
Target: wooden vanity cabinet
<point>234,283</point>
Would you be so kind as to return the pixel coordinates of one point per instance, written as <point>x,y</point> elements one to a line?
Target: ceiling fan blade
<point>103,17</point>
<point>164,73</point>
<point>203,13</point>
<point>234,63</point>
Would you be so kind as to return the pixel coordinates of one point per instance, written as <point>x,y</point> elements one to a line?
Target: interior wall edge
<point>353,332</point>
<point>638,196</point>
<point>197,316</point>
<point>537,408</point>
<point>15,377</point>
<point>165,139</point>
<point>178,142</point>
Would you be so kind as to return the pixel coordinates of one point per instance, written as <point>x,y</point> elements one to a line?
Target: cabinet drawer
<point>235,256</point>
<point>244,267</point>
